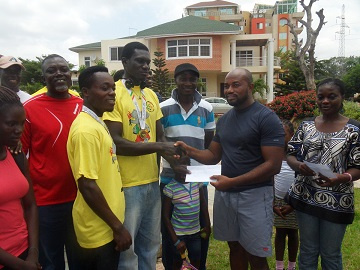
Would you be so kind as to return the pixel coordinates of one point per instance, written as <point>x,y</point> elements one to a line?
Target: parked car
<point>220,105</point>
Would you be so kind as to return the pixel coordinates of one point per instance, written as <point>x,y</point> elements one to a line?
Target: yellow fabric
<point>136,170</point>
<point>91,155</point>
<point>44,90</point>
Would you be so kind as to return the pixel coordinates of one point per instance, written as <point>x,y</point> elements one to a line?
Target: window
<point>259,25</point>
<point>189,48</point>
<point>282,22</point>
<point>282,35</point>
<point>241,28</point>
<point>244,58</point>
<point>268,24</point>
<point>200,12</point>
<point>228,11</point>
<point>87,61</point>
<point>202,86</point>
<point>115,53</point>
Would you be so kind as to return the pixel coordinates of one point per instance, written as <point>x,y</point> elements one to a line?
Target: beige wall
<point>105,51</point>
<point>93,54</point>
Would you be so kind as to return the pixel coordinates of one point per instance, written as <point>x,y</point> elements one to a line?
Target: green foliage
<point>352,81</point>
<point>81,68</point>
<point>335,67</point>
<point>32,73</point>
<point>291,75</point>
<point>352,110</point>
<point>260,87</point>
<point>296,105</point>
<point>160,77</point>
<point>31,87</point>
<point>100,62</point>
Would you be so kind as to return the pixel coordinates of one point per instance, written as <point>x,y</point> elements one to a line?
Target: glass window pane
<point>183,42</point>
<point>113,54</point>
<point>193,41</point>
<point>172,52</point>
<point>172,42</point>
<point>205,41</point>
<point>204,51</point>
<point>182,51</point>
<point>193,51</point>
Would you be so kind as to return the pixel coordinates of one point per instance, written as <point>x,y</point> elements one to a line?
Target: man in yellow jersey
<point>137,132</point>
<point>99,207</point>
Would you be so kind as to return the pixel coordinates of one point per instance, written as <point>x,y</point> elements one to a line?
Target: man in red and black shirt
<point>48,120</point>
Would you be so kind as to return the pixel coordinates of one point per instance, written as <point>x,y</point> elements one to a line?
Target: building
<point>215,36</point>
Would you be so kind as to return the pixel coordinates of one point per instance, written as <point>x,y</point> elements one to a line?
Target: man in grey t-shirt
<point>249,142</point>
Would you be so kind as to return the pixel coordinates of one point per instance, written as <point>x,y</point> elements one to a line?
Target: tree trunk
<point>308,48</point>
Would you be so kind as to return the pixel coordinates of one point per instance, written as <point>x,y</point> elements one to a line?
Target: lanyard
<point>101,122</point>
<point>141,114</point>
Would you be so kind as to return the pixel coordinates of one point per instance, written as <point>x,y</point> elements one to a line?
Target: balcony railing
<point>255,61</point>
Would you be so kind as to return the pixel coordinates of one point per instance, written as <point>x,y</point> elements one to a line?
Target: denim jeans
<point>193,247</point>
<point>142,220</point>
<point>319,237</point>
<point>167,245</point>
<point>56,230</point>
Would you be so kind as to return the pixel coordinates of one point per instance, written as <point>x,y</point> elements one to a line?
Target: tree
<point>352,81</point>
<point>335,67</point>
<point>160,74</point>
<point>292,76</point>
<point>307,48</point>
<point>260,87</point>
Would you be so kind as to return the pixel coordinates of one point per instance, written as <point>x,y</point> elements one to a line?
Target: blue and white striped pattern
<point>188,127</point>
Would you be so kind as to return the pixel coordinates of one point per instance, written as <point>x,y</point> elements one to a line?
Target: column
<point>270,70</point>
<point>233,54</point>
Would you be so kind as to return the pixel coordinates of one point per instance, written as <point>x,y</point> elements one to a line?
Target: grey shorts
<point>246,217</point>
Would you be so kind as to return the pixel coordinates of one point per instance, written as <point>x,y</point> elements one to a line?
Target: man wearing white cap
<point>10,74</point>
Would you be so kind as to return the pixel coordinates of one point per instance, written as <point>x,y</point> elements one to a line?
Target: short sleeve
<point>272,131</point>
<point>210,121</point>
<point>86,161</point>
<point>295,144</point>
<point>168,191</point>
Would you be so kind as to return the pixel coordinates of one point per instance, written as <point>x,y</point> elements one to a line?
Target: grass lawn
<point>218,257</point>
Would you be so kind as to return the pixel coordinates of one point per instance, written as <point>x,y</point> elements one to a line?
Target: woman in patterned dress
<point>325,206</point>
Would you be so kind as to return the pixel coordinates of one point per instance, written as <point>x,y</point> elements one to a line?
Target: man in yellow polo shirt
<point>98,211</point>
<point>137,132</point>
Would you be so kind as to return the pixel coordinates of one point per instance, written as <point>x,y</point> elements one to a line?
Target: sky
<point>40,27</point>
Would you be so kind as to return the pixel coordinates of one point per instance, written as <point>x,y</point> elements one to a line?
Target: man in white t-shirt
<point>10,75</point>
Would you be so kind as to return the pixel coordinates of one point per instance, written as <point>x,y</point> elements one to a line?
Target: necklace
<point>141,114</point>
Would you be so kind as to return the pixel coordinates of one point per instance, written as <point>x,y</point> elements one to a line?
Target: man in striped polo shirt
<point>189,118</point>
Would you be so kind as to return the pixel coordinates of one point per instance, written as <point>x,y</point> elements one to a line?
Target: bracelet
<point>177,242</point>
<point>349,176</point>
<point>35,248</point>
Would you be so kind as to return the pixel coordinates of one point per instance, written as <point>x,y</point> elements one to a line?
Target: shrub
<point>294,106</point>
<point>352,110</point>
